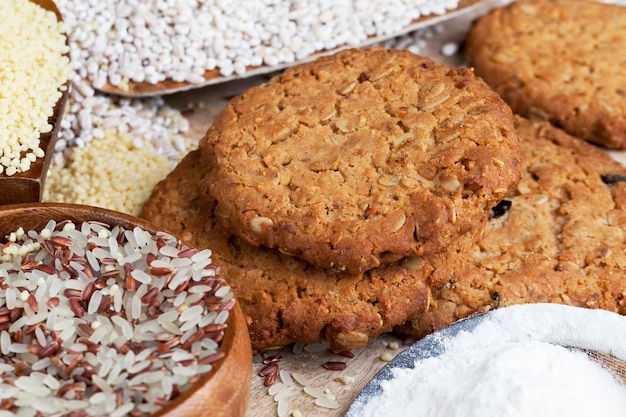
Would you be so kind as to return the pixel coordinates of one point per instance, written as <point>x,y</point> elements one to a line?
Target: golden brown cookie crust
<point>362,158</point>
<point>561,61</point>
<point>283,298</point>
<point>563,239</point>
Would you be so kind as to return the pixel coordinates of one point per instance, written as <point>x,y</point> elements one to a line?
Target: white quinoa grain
<point>449,48</point>
<point>347,380</point>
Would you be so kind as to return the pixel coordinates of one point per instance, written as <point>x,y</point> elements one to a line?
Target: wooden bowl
<point>224,391</point>
<point>27,187</point>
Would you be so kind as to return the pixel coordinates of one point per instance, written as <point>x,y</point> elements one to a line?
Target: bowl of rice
<point>102,313</point>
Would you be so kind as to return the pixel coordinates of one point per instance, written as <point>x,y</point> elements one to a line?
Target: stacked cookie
<point>324,192</point>
<point>361,159</point>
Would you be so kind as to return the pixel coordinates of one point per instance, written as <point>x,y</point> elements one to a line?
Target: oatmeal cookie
<point>361,158</point>
<point>561,61</point>
<point>283,298</point>
<point>561,238</point>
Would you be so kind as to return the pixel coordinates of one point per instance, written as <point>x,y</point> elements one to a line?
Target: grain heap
<point>97,320</point>
<point>151,41</point>
<point>110,151</point>
<point>142,138</point>
<point>34,69</point>
<point>88,175</point>
<point>92,116</point>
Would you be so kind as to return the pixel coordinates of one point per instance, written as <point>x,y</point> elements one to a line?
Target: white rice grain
<point>285,376</point>
<point>94,302</point>
<point>276,388</point>
<point>5,342</point>
<point>327,403</point>
<point>300,379</point>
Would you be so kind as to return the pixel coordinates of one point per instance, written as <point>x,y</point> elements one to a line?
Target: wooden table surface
<point>343,386</point>
<point>203,105</point>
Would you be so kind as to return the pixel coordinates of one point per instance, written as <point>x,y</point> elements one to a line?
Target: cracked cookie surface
<point>283,298</point>
<point>361,158</point>
<point>561,238</point>
<point>561,61</point>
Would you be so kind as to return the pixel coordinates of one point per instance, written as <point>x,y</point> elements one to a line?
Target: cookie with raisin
<point>559,238</point>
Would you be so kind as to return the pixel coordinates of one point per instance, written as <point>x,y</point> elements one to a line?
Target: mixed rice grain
<point>92,325</point>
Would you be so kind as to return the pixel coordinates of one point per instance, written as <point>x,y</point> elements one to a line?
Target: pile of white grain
<point>34,68</point>
<point>104,321</point>
<point>151,41</point>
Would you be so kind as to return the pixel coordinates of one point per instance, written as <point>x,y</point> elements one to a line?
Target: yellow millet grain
<point>109,173</point>
<point>33,71</point>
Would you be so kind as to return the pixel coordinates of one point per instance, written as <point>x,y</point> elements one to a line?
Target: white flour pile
<point>514,364</point>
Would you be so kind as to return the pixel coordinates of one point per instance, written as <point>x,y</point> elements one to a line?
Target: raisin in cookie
<point>561,238</point>
<point>361,158</point>
<point>561,61</point>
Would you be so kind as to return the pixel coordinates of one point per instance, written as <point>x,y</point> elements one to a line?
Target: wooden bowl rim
<point>238,331</point>
<point>49,5</point>
<point>19,210</point>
